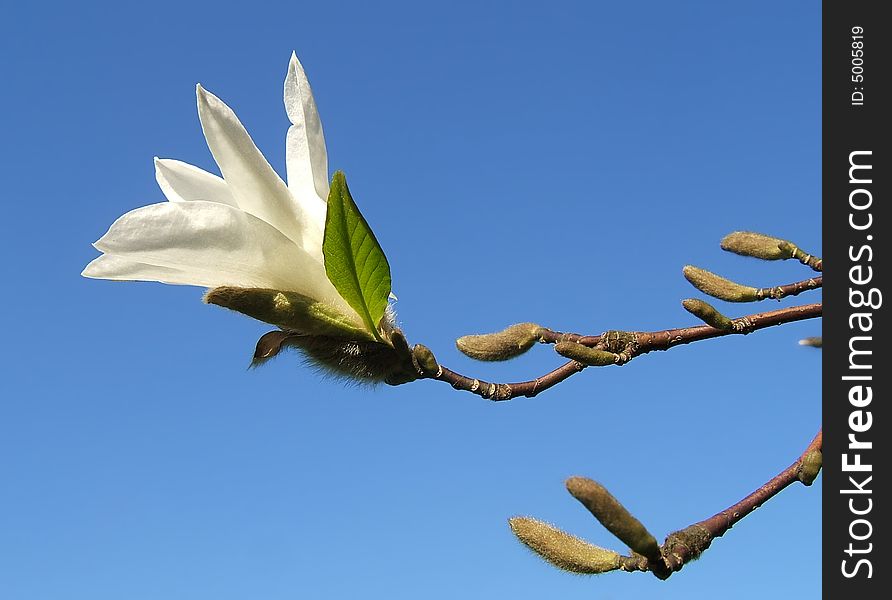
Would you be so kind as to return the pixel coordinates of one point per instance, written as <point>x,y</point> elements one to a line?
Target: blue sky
<point>556,163</point>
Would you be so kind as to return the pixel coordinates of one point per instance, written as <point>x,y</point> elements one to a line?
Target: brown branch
<point>809,260</point>
<point>663,340</point>
<point>686,545</point>
<point>790,289</point>
<point>626,345</point>
<point>506,391</point>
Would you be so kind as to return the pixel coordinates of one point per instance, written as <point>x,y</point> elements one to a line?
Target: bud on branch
<point>591,357</point>
<point>718,287</point>
<point>614,516</point>
<point>708,314</point>
<point>757,245</point>
<point>504,345</point>
<point>563,550</point>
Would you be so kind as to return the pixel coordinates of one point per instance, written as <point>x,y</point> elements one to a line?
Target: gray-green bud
<point>708,314</point>
<point>719,287</point>
<point>591,357</point>
<point>614,516</point>
<point>757,245</point>
<point>425,360</point>
<point>503,345</point>
<point>810,467</point>
<point>563,550</point>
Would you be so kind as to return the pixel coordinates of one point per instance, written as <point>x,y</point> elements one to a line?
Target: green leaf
<point>354,261</point>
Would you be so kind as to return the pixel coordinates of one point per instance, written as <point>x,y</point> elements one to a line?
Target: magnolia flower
<point>255,241</point>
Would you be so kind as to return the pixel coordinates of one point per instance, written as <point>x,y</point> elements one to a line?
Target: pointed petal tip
<point>200,97</point>
<point>210,106</point>
<point>292,79</point>
<point>294,64</point>
<point>204,97</point>
<point>92,270</point>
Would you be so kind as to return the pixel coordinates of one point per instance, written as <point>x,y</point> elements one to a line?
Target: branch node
<point>744,325</point>
<point>686,545</point>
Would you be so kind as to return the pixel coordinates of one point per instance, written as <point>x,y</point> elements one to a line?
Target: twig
<point>809,260</point>
<point>684,546</point>
<point>626,345</point>
<point>506,391</point>
<point>790,289</point>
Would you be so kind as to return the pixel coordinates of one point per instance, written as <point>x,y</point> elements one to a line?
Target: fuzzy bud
<point>399,343</point>
<point>288,310</point>
<point>708,314</point>
<point>814,342</point>
<point>719,287</point>
<point>757,245</point>
<point>591,357</point>
<point>503,345</point>
<point>614,516</point>
<point>810,467</point>
<point>563,550</point>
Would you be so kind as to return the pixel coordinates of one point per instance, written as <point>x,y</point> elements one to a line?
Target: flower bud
<point>814,342</point>
<point>425,360</point>
<point>503,345</point>
<point>614,516</point>
<point>591,357</point>
<point>708,314</point>
<point>563,550</point>
<point>810,467</point>
<point>397,339</point>
<point>719,287</point>
<point>757,245</point>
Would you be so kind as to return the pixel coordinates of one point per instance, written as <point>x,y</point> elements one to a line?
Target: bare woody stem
<point>808,260</point>
<point>683,546</point>
<point>790,289</point>
<point>626,345</point>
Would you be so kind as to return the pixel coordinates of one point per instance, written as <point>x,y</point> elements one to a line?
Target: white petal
<point>109,266</point>
<point>303,192</point>
<point>253,182</point>
<point>214,244</point>
<point>306,158</point>
<point>182,182</point>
